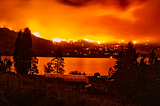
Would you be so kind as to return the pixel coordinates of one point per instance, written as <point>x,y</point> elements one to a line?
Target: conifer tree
<point>23,54</point>
<point>56,65</point>
<point>139,82</point>
<point>126,60</point>
<point>126,68</point>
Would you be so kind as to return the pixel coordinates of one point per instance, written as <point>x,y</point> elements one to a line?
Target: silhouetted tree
<point>119,62</point>
<point>154,64</point>
<point>126,69</point>
<point>23,54</point>
<point>76,73</point>
<point>110,72</point>
<point>33,68</point>
<point>143,61</point>
<point>8,65</point>
<point>152,57</point>
<point>2,65</point>
<point>140,82</point>
<point>96,74</point>
<point>126,61</point>
<point>5,65</point>
<point>57,63</point>
<point>48,68</point>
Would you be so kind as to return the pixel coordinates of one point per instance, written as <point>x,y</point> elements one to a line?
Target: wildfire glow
<point>64,40</point>
<point>57,40</point>
<point>99,42</point>
<point>134,42</point>
<point>91,20</point>
<point>86,39</point>
<point>73,40</point>
<point>36,34</point>
<point>1,26</point>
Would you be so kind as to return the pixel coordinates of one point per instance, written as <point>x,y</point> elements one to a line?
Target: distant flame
<point>57,39</point>
<point>36,34</point>
<point>134,42</point>
<point>73,40</point>
<point>99,42</point>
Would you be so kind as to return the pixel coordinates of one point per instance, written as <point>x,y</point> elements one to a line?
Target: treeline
<point>136,81</point>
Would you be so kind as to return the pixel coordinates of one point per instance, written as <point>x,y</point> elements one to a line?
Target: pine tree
<point>126,60</point>
<point>23,54</point>
<point>57,63</point>
<point>126,69</point>
<point>119,63</point>
<point>138,82</point>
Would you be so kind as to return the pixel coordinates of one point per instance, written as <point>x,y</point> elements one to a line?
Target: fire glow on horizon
<point>88,40</point>
<point>73,40</point>
<point>93,20</point>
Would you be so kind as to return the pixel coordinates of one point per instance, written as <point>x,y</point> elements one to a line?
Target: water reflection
<point>87,65</point>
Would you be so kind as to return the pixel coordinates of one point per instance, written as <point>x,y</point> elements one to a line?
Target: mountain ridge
<point>40,46</point>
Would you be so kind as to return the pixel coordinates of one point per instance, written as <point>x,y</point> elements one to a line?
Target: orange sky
<point>104,20</point>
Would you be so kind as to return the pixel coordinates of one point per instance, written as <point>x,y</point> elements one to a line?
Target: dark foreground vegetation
<point>136,81</point>
<point>29,90</point>
<point>34,90</point>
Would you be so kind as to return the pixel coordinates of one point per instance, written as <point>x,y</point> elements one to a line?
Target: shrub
<point>96,74</point>
<point>76,73</point>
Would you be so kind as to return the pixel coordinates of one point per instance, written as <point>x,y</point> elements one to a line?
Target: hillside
<point>41,46</point>
<point>7,41</point>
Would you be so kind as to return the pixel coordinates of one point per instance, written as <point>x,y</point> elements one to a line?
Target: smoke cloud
<point>107,3</point>
<point>107,20</point>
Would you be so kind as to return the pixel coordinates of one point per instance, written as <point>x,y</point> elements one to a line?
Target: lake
<point>87,65</point>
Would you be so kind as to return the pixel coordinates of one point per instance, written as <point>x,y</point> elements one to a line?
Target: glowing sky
<point>105,20</point>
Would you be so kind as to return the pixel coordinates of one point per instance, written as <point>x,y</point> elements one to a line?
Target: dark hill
<point>42,47</point>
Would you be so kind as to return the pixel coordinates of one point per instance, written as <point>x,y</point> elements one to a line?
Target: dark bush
<point>76,73</point>
<point>96,74</point>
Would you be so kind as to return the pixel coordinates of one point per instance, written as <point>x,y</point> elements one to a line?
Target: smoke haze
<point>108,20</point>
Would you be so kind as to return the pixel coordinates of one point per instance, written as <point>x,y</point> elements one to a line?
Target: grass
<point>26,90</point>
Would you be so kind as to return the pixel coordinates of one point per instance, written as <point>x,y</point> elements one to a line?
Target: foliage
<point>126,69</point>
<point>137,81</point>
<point>126,60</point>
<point>5,65</point>
<point>152,58</point>
<point>56,65</point>
<point>96,74</point>
<point>76,73</point>
<point>23,55</point>
<point>2,65</point>
<point>111,71</point>
<point>34,62</point>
